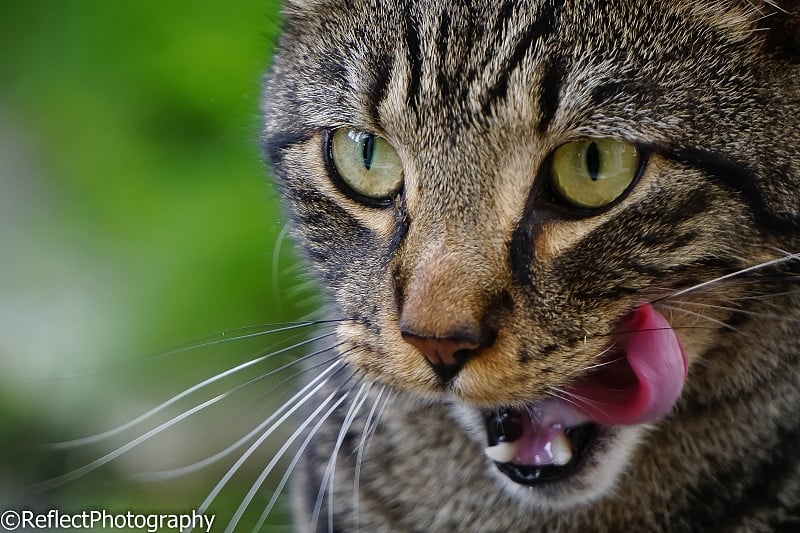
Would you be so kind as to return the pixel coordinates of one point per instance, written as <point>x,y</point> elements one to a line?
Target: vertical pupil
<point>368,150</point>
<point>593,161</point>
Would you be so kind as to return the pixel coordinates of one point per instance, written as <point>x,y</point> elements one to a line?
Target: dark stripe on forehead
<point>443,38</point>
<point>472,34</point>
<point>383,73</point>
<point>550,92</point>
<point>542,26</point>
<point>500,30</point>
<point>612,89</point>
<point>503,18</point>
<point>414,60</point>
<point>442,47</point>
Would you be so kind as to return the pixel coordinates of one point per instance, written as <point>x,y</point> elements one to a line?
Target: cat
<point>558,244</point>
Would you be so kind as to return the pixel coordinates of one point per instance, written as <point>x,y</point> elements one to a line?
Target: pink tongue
<point>658,363</point>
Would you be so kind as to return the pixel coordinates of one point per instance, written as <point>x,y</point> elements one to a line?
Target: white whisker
<point>744,311</point>
<point>599,365</point>
<point>217,339</point>
<point>296,459</point>
<point>327,478</point>
<point>577,400</point>
<point>311,300</point>
<point>305,394</point>
<point>194,388</point>
<point>199,465</point>
<point>114,454</point>
<point>276,254</point>
<point>557,393</point>
<point>765,296</point>
<point>351,416</point>
<point>789,257</point>
<point>381,410</point>
<point>360,454</point>
<point>720,323</point>
<point>277,456</point>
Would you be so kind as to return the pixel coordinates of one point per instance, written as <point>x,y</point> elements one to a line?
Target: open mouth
<point>549,440</point>
<point>530,447</point>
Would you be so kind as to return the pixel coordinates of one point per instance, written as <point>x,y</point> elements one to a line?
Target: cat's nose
<point>444,309</point>
<point>446,355</point>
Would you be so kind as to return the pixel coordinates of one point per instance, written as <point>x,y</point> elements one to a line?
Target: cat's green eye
<point>366,164</point>
<point>592,173</point>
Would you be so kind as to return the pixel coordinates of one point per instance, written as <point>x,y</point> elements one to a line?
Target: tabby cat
<point>558,241</point>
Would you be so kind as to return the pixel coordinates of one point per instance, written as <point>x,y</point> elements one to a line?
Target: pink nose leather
<point>439,351</point>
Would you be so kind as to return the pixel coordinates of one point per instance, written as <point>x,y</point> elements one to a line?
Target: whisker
<point>753,268</point>
<point>558,393</point>
<point>642,330</point>
<point>311,300</point>
<point>576,399</point>
<point>765,296</point>
<point>276,254</point>
<point>785,318</point>
<point>598,365</point>
<point>204,343</point>
<point>331,467</point>
<point>367,442</point>
<point>772,278</point>
<point>351,416</point>
<point>114,454</point>
<point>781,250</point>
<point>381,410</point>
<point>277,456</point>
<point>705,317</point>
<point>296,459</point>
<point>303,395</point>
<point>194,388</point>
<point>199,465</point>
<point>360,454</point>
<point>532,414</point>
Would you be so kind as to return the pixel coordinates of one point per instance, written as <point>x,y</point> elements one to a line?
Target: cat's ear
<point>781,22</point>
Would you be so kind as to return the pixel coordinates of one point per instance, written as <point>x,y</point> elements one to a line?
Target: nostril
<point>439,350</point>
<point>446,355</point>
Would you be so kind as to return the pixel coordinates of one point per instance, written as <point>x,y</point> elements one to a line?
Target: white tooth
<point>561,449</point>
<point>503,452</point>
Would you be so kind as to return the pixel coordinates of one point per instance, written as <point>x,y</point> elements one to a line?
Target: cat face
<point>513,208</point>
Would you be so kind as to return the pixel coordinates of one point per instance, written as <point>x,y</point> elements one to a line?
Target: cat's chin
<point>597,457</point>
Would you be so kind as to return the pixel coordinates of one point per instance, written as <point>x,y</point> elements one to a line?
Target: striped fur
<point>475,96</point>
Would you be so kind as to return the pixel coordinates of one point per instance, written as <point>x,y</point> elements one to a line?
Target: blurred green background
<point>136,215</point>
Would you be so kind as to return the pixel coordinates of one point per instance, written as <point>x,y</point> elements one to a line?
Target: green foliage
<point>135,214</point>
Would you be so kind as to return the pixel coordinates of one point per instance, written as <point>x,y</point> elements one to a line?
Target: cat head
<point>492,193</point>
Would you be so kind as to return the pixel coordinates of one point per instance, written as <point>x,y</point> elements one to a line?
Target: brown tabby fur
<point>474,96</point>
